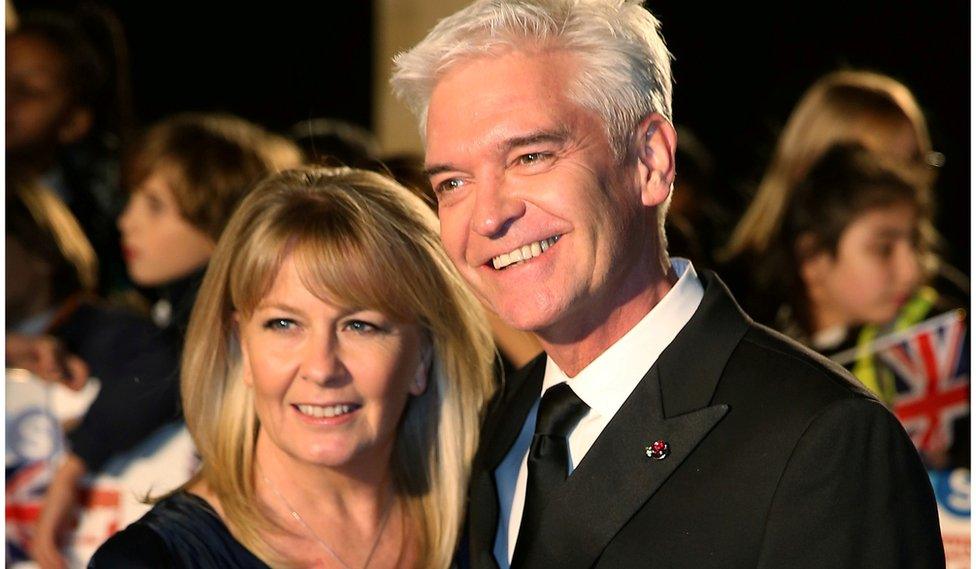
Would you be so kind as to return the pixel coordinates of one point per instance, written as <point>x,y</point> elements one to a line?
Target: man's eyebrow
<point>559,136</point>
<point>434,169</point>
<point>552,136</point>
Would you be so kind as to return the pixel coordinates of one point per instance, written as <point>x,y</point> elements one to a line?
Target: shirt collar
<point>606,383</point>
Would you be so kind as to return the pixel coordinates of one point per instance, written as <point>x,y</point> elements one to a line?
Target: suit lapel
<point>616,478</point>
<point>502,427</point>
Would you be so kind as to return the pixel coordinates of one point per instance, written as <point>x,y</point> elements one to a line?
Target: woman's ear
<point>656,144</point>
<point>419,384</point>
<point>246,375</point>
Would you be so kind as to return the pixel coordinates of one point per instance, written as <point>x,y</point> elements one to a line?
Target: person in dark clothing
<point>50,275</point>
<point>68,113</point>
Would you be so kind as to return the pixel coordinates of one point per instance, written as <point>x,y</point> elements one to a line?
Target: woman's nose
<point>321,362</point>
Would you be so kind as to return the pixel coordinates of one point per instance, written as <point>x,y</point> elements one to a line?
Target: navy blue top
<point>180,531</point>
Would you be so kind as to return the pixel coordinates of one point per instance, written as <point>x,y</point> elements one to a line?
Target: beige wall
<point>397,26</point>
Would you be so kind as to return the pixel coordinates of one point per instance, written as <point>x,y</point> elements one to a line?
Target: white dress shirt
<point>604,385</point>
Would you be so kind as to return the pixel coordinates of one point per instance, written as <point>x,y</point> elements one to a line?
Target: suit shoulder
<point>784,381</point>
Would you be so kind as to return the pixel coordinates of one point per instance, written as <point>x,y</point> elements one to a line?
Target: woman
<point>334,369</point>
<point>843,107</point>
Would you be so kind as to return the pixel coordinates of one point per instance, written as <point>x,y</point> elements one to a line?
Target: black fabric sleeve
<point>136,547</point>
<point>854,494</point>
<point>137,366</point>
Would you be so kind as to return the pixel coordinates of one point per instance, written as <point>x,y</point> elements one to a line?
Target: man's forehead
<point>493,100</point>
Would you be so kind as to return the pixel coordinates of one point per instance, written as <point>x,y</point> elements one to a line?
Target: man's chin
<point>527,318</point>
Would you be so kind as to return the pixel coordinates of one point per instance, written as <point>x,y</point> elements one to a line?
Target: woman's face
<point>874,272</point>
<point>330,383</point>
<point>158,244</point>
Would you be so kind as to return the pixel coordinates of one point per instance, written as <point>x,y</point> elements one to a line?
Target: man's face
<point>523,172</point>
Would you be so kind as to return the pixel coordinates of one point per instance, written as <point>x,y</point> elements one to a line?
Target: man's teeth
<point>328,411</point>
<point>523,253</point>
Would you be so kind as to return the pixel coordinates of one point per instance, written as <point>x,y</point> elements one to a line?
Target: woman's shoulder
<point>137,546</point>
<point>182,530</point>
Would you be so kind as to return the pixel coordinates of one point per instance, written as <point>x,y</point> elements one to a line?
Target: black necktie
<point>548,459</point>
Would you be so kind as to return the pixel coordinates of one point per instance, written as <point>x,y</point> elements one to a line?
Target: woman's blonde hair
<point>359,240</point>
<point>841,107</point>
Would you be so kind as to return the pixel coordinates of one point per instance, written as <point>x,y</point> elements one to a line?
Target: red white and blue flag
<point>931,366</point>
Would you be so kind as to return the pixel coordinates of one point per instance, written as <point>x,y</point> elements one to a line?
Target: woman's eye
<point>361,327</point>
<point>279,324</point>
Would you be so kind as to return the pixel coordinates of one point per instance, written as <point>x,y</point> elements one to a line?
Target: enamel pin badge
<point>659,450</point>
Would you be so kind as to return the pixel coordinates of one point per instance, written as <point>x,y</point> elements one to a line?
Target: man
<point>662,428</point>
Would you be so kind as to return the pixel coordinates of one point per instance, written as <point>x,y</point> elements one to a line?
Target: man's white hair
<point>625,68</point>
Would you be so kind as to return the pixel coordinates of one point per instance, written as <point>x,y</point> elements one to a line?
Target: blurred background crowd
<point>823,171</point>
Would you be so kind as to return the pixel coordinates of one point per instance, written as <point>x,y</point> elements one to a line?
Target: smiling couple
<point>661,428</point>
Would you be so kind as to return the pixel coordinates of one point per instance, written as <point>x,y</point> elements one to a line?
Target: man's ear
<point>76,125</point>
<point>246,375</point>
<point>656,144</point>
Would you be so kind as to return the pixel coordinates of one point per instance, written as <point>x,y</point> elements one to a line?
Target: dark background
<point>739,69</point>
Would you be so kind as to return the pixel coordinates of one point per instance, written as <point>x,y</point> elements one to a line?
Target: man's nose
<point>496,207</point>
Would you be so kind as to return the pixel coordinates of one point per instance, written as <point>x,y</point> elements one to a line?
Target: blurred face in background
<point>158,244</point>
<point>873,273</point>
<point>41,110</point>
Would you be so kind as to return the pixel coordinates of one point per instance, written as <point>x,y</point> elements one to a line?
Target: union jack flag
<point>931,366</point>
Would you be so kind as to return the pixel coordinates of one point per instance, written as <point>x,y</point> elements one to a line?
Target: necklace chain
<point>322,542</point>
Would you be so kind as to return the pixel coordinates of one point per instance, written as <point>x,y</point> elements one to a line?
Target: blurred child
<point>848,251</point>
<point>185,178</point>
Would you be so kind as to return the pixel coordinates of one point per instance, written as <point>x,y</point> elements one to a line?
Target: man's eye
<point>279,324</point>
<point>449,185</point>
<point>533,158</point>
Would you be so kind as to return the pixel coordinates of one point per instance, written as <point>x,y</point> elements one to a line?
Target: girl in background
<point>848,250</point>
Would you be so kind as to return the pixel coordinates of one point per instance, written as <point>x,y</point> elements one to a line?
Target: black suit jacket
<point>779,459</point>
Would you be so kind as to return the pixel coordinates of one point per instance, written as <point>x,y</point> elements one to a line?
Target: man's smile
<point>523,253</point>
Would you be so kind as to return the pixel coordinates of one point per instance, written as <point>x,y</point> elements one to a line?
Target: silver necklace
<point>315,536</point>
